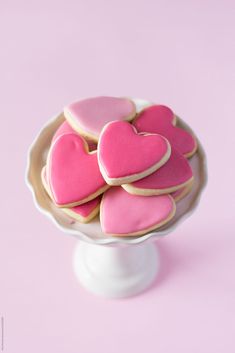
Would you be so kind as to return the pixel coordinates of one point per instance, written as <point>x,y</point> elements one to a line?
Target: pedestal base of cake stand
<point>116,271</point>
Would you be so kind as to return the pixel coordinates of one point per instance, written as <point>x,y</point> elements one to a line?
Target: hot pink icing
<point>73,174</point>
<point>122,152</point>
<point>83,210</point>
<point>93,113</point>
<point>65,128</point>
<point>159,119</point>
<point>123,213</point>
<point>174,172</point>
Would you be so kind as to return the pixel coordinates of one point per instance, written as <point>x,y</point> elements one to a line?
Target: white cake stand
<point>113,267</point>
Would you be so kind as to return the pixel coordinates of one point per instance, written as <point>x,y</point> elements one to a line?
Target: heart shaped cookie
<point>123,214</point>
<point>125,156</point>
<point>173,175</point>
<point>89,116</point>
<point>73,173</point>
<point>83,213</point>
<point>159,119</point>
<point>65,128</point>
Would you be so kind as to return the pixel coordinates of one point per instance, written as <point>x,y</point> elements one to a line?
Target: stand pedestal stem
<point>116,272</point>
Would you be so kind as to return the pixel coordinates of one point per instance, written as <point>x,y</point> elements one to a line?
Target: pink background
<point>180,53</point>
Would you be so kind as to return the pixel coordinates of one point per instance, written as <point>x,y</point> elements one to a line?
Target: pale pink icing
<point>65,128</point>
<point>159,119</point>
<point>83,210</point>
<point>175,171</point>
<point>123,213</point>
<point>122,152</point>
<point>93,113</point>
<point>73,174</point>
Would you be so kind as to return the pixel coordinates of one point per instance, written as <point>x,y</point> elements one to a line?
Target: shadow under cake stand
<point>113,267</point>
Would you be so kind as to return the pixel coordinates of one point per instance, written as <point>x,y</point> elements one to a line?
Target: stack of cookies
<point>130,167</point>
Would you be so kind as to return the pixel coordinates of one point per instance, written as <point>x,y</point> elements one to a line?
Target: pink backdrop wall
<point>180,53</point>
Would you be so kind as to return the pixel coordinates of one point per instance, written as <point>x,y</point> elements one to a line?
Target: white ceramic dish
<point>123,266</point>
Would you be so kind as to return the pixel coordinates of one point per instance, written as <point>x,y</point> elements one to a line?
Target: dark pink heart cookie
<point>82,213</point>
<point>125,156</point>
<point>173,175</point>
<point>73,173</point>
<point>160,119</point>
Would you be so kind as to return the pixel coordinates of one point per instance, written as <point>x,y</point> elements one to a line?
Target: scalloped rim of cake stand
<point>108,240</point>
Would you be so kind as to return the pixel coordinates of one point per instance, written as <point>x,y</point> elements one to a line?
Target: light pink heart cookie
<point>125,156</point>
<point>73,173</point>
<point>65,128</point>
<point>160,119</point>
<point>89,116</point>
<point>83,213</point>
<point>123,214</point>
<point>173,175</point>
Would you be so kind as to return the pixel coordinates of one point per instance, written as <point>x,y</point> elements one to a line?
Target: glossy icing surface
<point>83,210</point>
<point>175,171</point>
<point>159,119</point>
<point>92,114</point>
<point>73,173</point>
<point>123,213</point>
<point>123,152</point>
